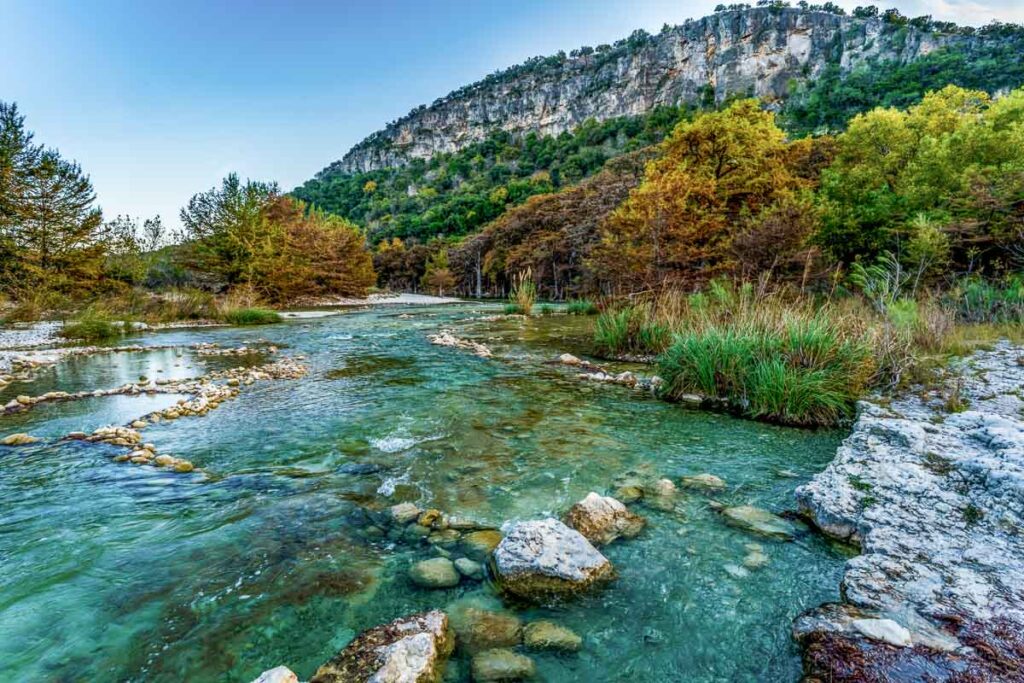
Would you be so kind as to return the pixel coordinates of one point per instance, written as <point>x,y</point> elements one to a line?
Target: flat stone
<point>758,521</point>
<point>438,572</point>
<point>602,519</point>
<point>502,665</point>
<point>703,481</point>
<point>547,635</point>
<point>20,439</point>
<point>544,558</point>
<point>411,649</point>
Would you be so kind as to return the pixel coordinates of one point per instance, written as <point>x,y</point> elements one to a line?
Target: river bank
<point>930,486</point>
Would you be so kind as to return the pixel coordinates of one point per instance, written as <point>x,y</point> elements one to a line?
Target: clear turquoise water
<point>114,572</point>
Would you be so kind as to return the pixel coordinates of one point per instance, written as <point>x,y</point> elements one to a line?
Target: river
<point>116,572</point>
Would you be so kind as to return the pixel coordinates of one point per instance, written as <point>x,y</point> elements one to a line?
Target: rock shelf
<point>935,500</point>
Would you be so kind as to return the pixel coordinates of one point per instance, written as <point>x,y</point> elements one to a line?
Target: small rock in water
<point>360,468</point>
<point>663,487</point>
<point>885,630</point>
<point>759,521</point>
<point>469,568</point>
<point>704,481</point>
<point>413,648</point>
<point>735,571</point>
<point>438,572</point>
<point>501,665</point>
<point>403,513</point>
<point>547,635</point>
<point>629,494</point>
<point>568,359</point>
<point>755,559</point>
<point>479,544</point>
<point>20,439</point>
<point>602,519</point>
<point>478,629</point>
<point>280,674</point>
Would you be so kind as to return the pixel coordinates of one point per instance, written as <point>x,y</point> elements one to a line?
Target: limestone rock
<point>545,558</point>
<point>469,568</point>
<point>502,665</point>
<point>438,572</point>
<point>759,521</point>
<point>411,649</point>
<point>703,481</point>
<point>602,519</point>
<point>20,439</point>
<point>403,513</point>
<point>481,629</point>
<point>547,635</point>
<point>479,544</point>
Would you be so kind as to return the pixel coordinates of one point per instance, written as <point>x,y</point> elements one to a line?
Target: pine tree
<point>59,229</point>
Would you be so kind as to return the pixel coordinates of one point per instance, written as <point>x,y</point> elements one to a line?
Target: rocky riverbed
<point>931,487</point>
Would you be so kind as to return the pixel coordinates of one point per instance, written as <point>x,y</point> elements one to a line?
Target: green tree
<point>227,230</point>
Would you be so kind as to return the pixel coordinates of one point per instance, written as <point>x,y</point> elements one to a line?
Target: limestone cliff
<point>760,52</point>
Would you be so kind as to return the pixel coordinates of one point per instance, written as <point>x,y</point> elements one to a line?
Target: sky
<point>158,100</point>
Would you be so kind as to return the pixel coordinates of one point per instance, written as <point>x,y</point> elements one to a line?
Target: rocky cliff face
<point>757,52</point>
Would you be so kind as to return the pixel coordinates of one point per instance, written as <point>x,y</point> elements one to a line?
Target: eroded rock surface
<point>935,499</point>
<point>544,558</point>
<point>602,519</point>
<point>411,649</point>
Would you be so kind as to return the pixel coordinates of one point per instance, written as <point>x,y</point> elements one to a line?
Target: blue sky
<point>158,100</point>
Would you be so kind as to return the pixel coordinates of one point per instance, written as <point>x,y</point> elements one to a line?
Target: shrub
<point>94,325</point>
<point>547,309</point>
<point>250,316</point>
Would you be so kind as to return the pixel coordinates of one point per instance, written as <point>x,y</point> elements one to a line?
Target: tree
<point>227,229</point>
<point>59,229</point>
<point>714,171</point>
<point>438,276</point>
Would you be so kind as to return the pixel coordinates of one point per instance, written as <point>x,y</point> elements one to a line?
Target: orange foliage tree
<point>714,174</point>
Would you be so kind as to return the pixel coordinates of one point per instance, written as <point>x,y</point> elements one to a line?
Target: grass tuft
<point>250,316</point>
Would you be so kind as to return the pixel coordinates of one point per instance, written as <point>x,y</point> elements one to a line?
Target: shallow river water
<point>112,572</point>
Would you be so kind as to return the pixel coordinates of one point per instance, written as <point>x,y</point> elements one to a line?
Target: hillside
<point>762,52</point>
<point>450,168</point>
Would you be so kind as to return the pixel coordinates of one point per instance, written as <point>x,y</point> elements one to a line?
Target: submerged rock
<point>479,544</point>
<point>478,629</point>
<point>20,439</point>
<point>602,519</point>
<point>469,568</point>
<point>547,635</point>
<point>545,558</point>
<point>403,513</point>
<point>704,481</point>
<point>279,674</point>
<point>502,665</point>
<point>411,649</point>
<point>438,572</point>
<point>759,521</point>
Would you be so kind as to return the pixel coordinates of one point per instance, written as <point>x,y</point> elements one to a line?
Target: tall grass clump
<point>94,325</point>
<point>630,330</point>
<point>250,316</point>
<point>792,365</point>
<point>581,307</point>
<point>524,292</point>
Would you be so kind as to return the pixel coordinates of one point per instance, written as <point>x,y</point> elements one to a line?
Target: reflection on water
<point>113,572</point>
